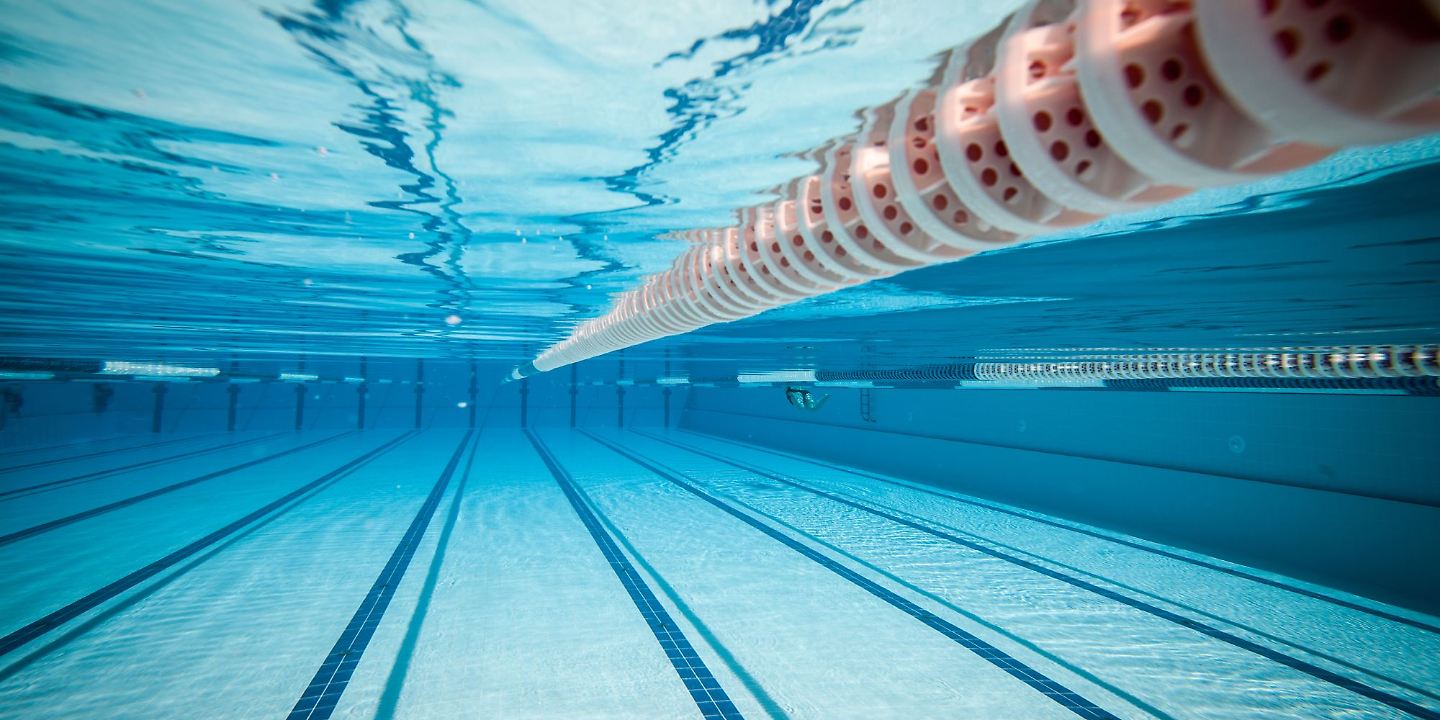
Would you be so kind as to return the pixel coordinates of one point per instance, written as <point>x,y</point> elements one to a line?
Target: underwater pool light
<point>1069,111</point>
<point>154,370</point>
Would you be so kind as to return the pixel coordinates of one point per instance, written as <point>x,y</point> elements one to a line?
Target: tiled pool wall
<point>396,394</point>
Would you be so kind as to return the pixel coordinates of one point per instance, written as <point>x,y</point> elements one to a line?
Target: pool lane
<point>154,459</point>
<point>45,572</point>
<point>1373,640</point>
<point>710,698</point>
<point>325,689</point>
<point>13,455</point>
<point>57,508</point>
<point>516,613</point>
<point>1185,558</point>
<point>1027,579</point>
<point>239,633</point>
<point>823,642</point>
<point>70,457</point>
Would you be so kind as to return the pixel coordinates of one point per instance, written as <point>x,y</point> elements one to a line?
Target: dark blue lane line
<point>757,691</point>
<point>1273,655</point>
<point>97,453</point>
<point>395,682</point>
<point>703,687</point>
<point>777,476</point>
<point>96,475</point>
<point>1376,612</point>
<point>115,609</point>
<point>118,504</point>
<point>1024,673</point>
<point>320,697</point>
<point>40,627</point>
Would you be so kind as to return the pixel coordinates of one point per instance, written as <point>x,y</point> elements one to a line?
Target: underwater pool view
<point>269,267</point>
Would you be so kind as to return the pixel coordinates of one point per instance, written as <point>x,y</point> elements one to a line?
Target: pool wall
<point>397,394</point>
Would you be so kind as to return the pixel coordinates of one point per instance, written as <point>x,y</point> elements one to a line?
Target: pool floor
<point>557,573</point>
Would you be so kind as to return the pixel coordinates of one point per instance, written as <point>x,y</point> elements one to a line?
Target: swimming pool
<point>274,441</point>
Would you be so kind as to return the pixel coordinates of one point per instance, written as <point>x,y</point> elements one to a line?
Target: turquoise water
<point>327,230</point>
<point>341,178</point>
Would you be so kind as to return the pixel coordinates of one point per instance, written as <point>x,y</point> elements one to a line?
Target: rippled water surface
<point>344,177</point>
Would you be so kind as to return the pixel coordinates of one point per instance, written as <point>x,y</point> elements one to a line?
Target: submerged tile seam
<point>1374,612</point>
<point>704,689</point>
<point>98,474</point>
<point>319,699</point>
<point>40,627</point>
<point>1051,689</point>
<point>157,492</point>
<point>98,453</point>
<point>1210,631</point>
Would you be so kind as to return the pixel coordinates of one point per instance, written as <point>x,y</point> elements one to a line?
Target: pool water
<point>268,264</point>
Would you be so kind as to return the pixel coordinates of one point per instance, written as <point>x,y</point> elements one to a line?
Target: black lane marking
<point>20,637</point>
<point>1276,656</point>
<point>320,697</point>
<point>118,504</point>
<point>400,667</point>
<point>134,466</point>
<point>704,689</point>
<point>1417,624</point>
<point>995,656</point>
<point>97,453</point>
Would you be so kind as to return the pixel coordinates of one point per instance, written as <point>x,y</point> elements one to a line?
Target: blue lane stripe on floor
<point>1060,694</point>
<point>320,697</point>
<point>703,687</point>
<point>65,614</point>
<point>1377,612</point>
<point>1215,633</point>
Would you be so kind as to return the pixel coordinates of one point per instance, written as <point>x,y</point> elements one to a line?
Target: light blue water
<point>395,202</point>
<point>341,178</point>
